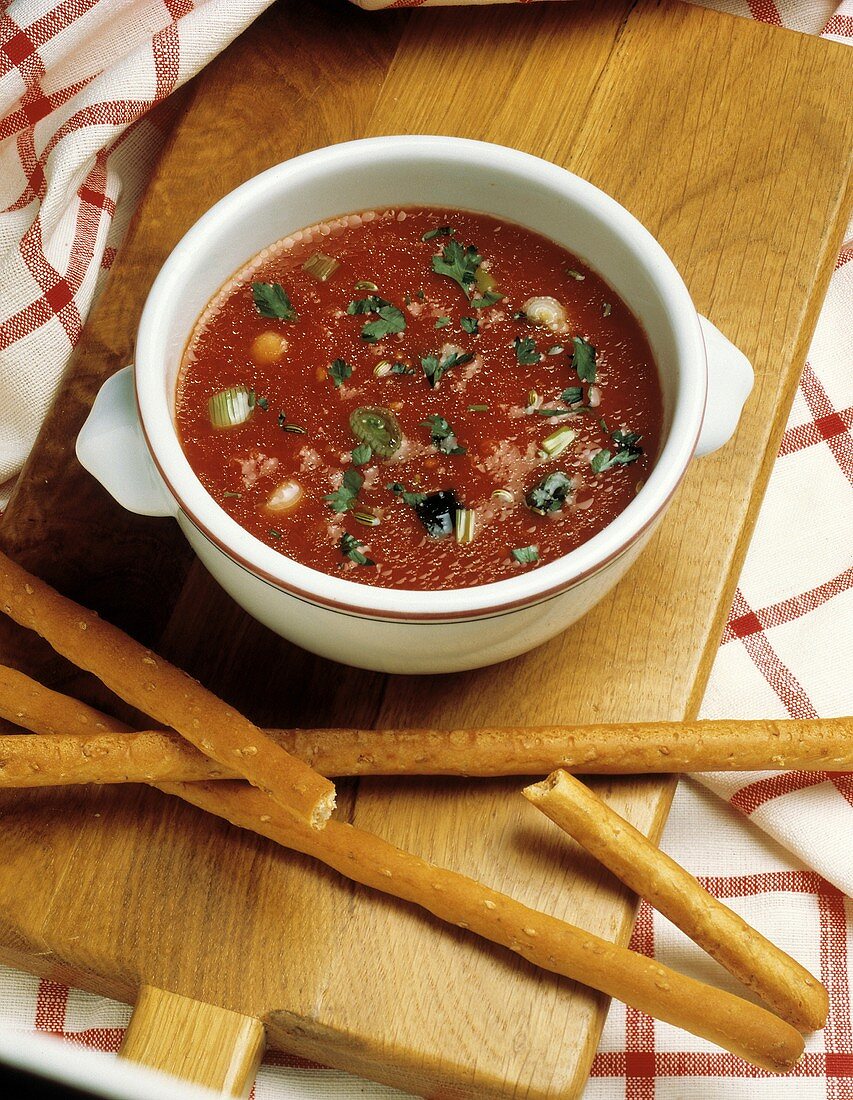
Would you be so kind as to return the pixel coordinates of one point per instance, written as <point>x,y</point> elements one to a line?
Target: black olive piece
<point>438,513</point>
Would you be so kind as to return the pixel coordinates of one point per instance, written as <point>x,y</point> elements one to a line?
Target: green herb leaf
<point>401,368</point>
<point>435,369</point>
<point>583,359</point>
<point>626,440</point>
<point>572,395</point>
<point>525,350</point>
<point>442,322</point>
<point>549,494</point>
<point>412,499</point>
<point>349,546</point>
<point>526,554</point>
<point>442,231</point>
<point>262,403</point>
<point>343,498</point>
<point>339,371</point>
<point>552,412</point>
<point>362,454</point>
<point>488,299</point>
<point>604,460</point>
<point>470,325</point>
<point>443,436</point>
<point>271,300</point>
<point>458,263</point>
<point>390,318</point>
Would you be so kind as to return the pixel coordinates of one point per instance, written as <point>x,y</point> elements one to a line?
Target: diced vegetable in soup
<point>419,398</point>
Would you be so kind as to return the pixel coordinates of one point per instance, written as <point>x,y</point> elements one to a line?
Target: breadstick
<point>738,1026</point>
<point>775,977</point>
<point>806,745</point>
<point>169,695</point>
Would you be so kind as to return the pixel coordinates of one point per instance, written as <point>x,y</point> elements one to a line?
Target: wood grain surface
<point>194,1041</point>
<point>729,140</point>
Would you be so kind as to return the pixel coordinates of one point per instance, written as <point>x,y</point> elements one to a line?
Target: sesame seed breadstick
<point>775,977</point>
<point>739,1026</point>
<point>169,695</point>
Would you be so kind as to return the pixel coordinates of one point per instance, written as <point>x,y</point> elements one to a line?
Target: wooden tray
<point>730,140</point>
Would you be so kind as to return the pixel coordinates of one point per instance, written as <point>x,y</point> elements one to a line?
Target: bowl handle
<point>730,380</point>
<point>112,448</point>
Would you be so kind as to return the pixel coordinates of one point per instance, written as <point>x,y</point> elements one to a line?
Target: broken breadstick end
<point>323,810</point>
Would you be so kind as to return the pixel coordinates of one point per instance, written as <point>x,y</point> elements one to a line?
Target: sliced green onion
<point>381,370</point>
<point>606,309</point>
<point>322,267</point>
<point>503,494</point>
<point>231,407</point>
<point>478,408</point>
<point>532,398</point>
<point>365,284</point>
<point>368,519</point>
<point>295,429</point>
<point>232,496</point>
<point>526,555</point>
<point>575,275</point>
<point>466,525</point>
<point>544,310</point>
<point>557,349</point>
<point>558,441</point>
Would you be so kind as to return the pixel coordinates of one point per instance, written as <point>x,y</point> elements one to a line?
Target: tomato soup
<point>419,398</point>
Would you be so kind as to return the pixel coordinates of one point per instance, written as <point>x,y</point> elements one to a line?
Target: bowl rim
<point>368,601</point>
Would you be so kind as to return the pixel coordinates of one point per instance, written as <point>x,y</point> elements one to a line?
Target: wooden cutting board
<point>730,140</point>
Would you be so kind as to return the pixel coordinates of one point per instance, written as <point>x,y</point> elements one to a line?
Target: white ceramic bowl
<point>131,445</point>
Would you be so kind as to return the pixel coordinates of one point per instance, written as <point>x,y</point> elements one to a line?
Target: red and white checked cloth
<point>77,78</point>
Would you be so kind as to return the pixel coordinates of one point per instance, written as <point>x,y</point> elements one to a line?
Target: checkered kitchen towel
<point>77,142</point>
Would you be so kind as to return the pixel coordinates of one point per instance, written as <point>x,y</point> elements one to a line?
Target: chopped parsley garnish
<point>362,454</point>
<point>401,368</point>
<point>470,325</point>
<point>572,395</point>
<point>442,322</point>
<point>389,320</point>
<point>526,554</point>
<point>271,300</point>
<point>459,263</point>
<point>443,436</point>
<point>343,498</point>
<point>549,494</point>
<point>626,452</point>
<point>349,546</point>
<point>525,351</point>
<point>435,368</point>
<point>339,371</point>
<point>442,231</point>
<point>412,499</point>
<point>489,299</point>
<point>583,359</point>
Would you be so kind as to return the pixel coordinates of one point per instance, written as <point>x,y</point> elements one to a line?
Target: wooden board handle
<point>197,1042</point>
